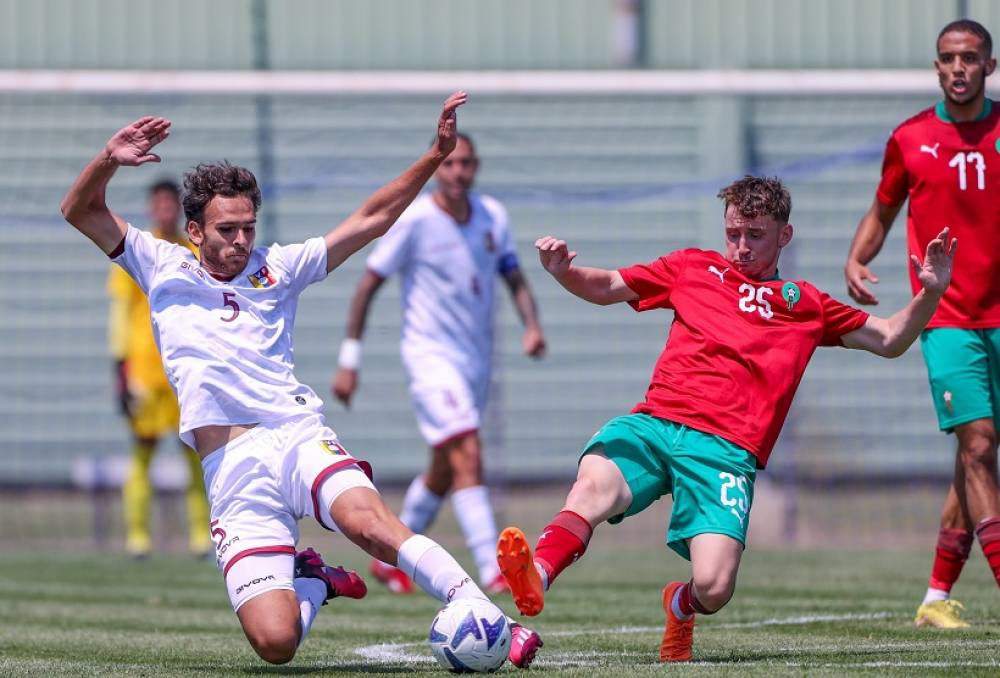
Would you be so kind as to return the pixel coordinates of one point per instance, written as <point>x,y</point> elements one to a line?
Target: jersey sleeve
<point>893,187</point>
<point>140,255</point>
<point>653,282</point>
<point>393,249</point>
<point>838,320</point>
<point>506,246</point>
<point>305,263</point>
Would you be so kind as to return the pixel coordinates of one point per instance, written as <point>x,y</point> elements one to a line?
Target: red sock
<point>988,532</point>
<point>562,542</point>
<point>688,602</point>
<point>953,549</point>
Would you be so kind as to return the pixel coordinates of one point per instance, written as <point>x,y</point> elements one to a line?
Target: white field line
<point>898,664</point>
<point>783,621</point>
<point>402,653</point>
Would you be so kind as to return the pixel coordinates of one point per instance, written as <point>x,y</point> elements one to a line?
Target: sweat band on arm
<point>350,354</point>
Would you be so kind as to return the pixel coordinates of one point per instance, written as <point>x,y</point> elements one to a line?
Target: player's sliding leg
<point>953,546</point>
<point>362,516</point>
<point>600,492</point>
<point>199,539</point>
<point>715,559</point>
<point>421,504</point>
<point>137,493</point>
<point>277,596</point>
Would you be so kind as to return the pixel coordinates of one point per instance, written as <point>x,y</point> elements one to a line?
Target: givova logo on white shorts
<point>254,582</point>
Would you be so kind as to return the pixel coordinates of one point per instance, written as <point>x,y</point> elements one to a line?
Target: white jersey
<point>227,346</point>
<point>448,274</point>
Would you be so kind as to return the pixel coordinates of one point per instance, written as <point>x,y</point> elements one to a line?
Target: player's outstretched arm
<point>533,341</point>
<point>596,285</point>
<point>890,337</point>
<point>345,381</point>
<point>383,207</point>
<point>84,205</point>
<point>868,239</point>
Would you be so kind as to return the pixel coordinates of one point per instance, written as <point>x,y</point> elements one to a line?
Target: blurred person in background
<point>449,247</point>
<point>946,161</point>
<point>738,344</point>
<point>143,392</point>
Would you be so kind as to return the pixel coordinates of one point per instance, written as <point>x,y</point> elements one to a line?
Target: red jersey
<point>737,348</point>
<point>950,171</point>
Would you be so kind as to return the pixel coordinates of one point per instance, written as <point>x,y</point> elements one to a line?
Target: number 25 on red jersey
<point>754,299</point>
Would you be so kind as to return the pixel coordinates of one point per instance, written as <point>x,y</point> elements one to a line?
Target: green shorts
<point>964,371</point>
<point>711,479</point>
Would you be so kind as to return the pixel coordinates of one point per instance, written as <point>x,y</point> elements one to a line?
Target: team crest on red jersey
<point>333,447</point>
<point>262,278</point>
<point>491,244</point>
<point>791,294</point>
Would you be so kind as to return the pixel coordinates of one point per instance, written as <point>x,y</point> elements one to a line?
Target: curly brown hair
<point>206,181</point>
<point>758,197</point>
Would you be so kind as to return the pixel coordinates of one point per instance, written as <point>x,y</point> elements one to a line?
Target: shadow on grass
<point>266,670</point>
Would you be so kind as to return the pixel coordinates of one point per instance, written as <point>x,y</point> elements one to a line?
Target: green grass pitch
<point>795,613</point>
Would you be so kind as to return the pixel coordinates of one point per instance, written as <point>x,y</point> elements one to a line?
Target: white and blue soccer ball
<point>470,635</point>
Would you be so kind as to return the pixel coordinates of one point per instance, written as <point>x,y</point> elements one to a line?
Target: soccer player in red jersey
<point>946,161</point>
<point>739,343</point>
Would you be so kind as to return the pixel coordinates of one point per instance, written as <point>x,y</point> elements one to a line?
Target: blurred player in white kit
<point>449,247</point>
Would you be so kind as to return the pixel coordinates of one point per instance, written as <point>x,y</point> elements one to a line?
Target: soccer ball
<point>470,635</point>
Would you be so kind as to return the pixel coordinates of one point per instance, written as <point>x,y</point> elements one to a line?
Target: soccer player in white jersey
<point>223,325</point>
<point>449,247</point>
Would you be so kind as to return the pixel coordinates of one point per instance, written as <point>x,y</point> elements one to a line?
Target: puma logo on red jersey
<point>721,274</point>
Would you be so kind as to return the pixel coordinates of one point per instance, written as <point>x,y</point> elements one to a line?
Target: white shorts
<point>447,402</point>
<point>260,484</point>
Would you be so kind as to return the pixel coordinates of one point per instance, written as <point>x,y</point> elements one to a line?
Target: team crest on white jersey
<point>262,278</point>
<point>932,150</point>
<point>333,447</point>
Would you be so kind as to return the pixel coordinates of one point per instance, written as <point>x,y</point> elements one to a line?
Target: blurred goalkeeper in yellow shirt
<point>144,394</point>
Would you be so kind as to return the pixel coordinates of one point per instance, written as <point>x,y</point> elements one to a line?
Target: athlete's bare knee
<point>271,624</point>
<point>979,452</point>
<point>714,590</point>
<point>275,646</point>
<point>465,462</point>
<point>596,496</point>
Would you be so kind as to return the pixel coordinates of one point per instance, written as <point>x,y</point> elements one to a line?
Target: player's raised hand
<point>856,273</point>
<point>131,145</point>
<point>555,256</point>
<point>935,271</point>
<point>447,131</point>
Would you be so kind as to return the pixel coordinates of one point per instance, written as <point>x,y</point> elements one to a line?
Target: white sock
<point>420,506</point>
<point>475,516</point>
<point>675,604</point>
<point>311,593</point>
<point>544,575</point>
<point>435,571</point>
<point>934,595</point>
